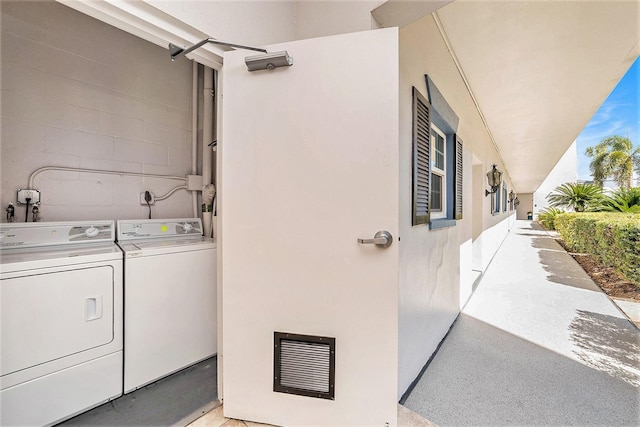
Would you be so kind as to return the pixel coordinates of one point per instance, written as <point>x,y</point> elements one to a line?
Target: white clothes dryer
<point>61,320</point>
<point>170,297</point>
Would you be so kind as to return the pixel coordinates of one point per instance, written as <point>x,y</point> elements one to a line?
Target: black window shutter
<point>421,158</point>
<point>458,180</point>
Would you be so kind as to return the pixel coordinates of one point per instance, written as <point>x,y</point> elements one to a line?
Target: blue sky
<point>618,115</point>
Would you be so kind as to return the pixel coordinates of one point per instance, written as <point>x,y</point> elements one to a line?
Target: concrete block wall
<point>77,92</point>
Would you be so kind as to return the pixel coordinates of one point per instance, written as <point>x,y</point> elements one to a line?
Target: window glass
<point>439,151</point>
<point>436,193</point>
<point>438,173</point>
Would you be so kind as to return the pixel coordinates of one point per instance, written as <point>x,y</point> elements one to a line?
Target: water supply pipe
<point>194,135</point>
<point>207,153</point>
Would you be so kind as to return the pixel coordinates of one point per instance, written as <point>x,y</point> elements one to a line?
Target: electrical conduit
<point>37,172</point>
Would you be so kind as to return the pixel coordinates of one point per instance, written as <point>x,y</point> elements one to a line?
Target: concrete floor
<point>537,344</point>
<point>175,400</point>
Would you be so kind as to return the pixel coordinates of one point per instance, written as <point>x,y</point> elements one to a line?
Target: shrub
<point>622,200</point>
<point>547,217</point>
<point>614,238</point>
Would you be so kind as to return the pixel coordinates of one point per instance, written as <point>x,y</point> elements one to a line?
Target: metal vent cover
<point>304,365</point>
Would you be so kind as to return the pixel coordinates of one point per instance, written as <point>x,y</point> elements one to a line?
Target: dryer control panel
<point>159,228</point>
<point>42,234</point>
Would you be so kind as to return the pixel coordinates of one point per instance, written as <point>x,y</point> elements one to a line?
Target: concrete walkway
<point>537,344</point>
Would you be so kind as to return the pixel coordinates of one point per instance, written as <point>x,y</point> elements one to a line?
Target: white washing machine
<point>170,296</point>
<point>61,320</point>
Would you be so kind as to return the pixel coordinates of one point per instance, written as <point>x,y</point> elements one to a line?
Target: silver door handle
<point>381,238</point>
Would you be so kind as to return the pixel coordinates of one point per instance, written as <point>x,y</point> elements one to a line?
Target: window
<point>504,197</point>
<point>495,202</point>
<point>437,166</point>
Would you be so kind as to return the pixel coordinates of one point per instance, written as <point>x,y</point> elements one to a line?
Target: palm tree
<point>576,196</point>
<point>614,156</point>
<point>622,200</point>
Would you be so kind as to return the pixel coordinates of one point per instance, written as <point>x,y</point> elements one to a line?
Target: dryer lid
<point>47,234</point>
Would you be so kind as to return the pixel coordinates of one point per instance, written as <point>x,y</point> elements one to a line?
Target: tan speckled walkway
<point>215,418</point>
<point>537,344</point>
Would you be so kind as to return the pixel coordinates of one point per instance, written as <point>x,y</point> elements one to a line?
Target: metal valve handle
<point>382,239</point>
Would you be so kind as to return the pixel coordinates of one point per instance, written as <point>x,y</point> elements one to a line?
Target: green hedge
<point>613,237</point>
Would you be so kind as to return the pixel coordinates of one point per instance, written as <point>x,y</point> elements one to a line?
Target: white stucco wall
<point>325,18</point>
<point>566,170</point>
<point>526,205</point>
<point>465,230</point>
<point>261,23</point>
<point>253,22</point>
<point>79,93</point>
<point>436,266</point>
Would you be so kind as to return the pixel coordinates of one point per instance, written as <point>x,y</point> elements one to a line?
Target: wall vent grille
<point>304,365</point>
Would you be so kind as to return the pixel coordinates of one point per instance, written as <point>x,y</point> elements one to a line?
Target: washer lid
<point>137,248</point>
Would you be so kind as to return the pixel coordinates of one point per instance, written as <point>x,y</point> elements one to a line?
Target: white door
<point>308,159</point>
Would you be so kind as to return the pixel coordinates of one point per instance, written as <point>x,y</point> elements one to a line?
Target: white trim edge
<point>151,24</point>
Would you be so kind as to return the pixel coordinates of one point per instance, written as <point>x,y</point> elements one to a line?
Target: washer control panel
<point>36,234</point>
<point>155,228</point>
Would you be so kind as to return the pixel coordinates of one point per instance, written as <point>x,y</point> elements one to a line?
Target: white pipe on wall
<point>37,172</point>
<point>194,134</point>
<point>170,192</point>
<point>207,138</point>
<point>207,126</point>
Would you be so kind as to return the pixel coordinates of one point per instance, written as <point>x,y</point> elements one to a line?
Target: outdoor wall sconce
<point>516,202</point>
<point>494,176</point>
<point>512,195</point>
